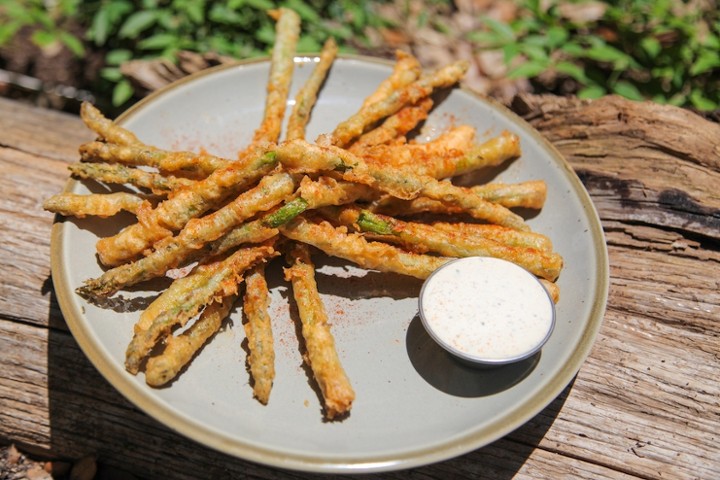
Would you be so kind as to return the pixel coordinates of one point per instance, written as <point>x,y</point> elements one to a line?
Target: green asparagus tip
<point>369,222</point>
<point>286,213</point>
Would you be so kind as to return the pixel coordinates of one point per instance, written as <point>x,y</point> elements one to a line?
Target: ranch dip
<point>482,308</point>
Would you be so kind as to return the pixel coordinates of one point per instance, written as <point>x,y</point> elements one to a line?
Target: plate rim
<point>175,420</point>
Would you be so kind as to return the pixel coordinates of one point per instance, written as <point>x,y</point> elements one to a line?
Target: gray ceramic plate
<point>415,405</point>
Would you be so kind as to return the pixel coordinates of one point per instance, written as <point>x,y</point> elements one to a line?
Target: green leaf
<point>510,51</point>
<point>122,92</point>
<point>607,53</point>
<point>534,52</point>
<point>8,30</point>
<point>306,12</point>
<point>261,4</point>
<point>592,91</point>
<point>100,27</point>
<point>43,38</point>
<point>111,74</point>
<point>706,61</point>
<point>308,44</point>
<point>701,102</point>
<point>158,42</point>
<point>195,10</point>
<point>536,40</point>
<point>137,23</point>
<point>573,71</point>
<point>651,46</point>
<point>557,36</point>
<point>503,30</point>
<point>266,34</point>
<point>117,10</point>
<point>73,43</point>
<point>528,70</point>
<point>118,56</point>
<point>485,39</point>
<point>573,49</point>
<point>627,90</point>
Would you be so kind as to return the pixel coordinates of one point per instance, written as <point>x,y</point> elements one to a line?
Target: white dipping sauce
<point>483,308</point>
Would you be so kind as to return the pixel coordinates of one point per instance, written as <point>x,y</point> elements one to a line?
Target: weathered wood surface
<point>646,404</point>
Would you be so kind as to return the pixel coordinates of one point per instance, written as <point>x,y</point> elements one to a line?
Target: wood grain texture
<point>644,405</point>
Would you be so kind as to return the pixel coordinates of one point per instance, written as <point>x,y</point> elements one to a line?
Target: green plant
<point>48,21</point>
<point>238,28</point>
<point>145,29</point>
<point>663,50</point>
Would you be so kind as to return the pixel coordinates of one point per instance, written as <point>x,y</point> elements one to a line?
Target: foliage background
<point>663,50</point>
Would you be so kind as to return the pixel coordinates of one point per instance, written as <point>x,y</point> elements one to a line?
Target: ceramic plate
<point>415,405</point>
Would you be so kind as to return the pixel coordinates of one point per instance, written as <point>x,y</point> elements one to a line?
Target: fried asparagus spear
<point>321,355</point>
<point>172,214</point>
<point>370,114</point>
<point>193,237</point>
<point>258,330</point>
<point>106,128</point>
<point>353,247</point>
<point>530,194</point>
<point>187,163</point>
<point>451,154</point>
<point>186,296</point>
<point>307,96</point>
<point>120,174</point>
<point>298,155</point>
<point>395,127</point>
<point>282,62</point>
<point>406,70</point>
<point>450,243</point>
<point>180,349</point>
<point>94,204</point>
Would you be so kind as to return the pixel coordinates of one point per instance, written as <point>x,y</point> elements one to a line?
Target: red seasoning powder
<point>486,308</point>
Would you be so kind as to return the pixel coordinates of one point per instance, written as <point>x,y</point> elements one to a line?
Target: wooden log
<point>642,162</point>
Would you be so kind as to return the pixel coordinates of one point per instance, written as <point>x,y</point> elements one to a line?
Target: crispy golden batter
<point>354,247</point>
<point>94,204</point>
<point>180,349</point>
<point>186,297</point>
<point>321,355</point>
<point>307,96</point>
<point>258,330</point>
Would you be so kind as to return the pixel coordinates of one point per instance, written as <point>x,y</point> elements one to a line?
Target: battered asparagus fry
<point>508,236</point>
<point>120,174</point>
<point>96,204</point>
<point>410,94</point>
<point>451,243</point>
<point>373,255</point>
<point>436,158</point>
<point>321,355</point>
<point>189,163</point>
<point>180,349</point>
<point>307,96</point>
<point>450,155</point>
<point>530,194</point>
<point>172,214</point>
<point>258,330</point>
<point>299,155</point>
<point>186,296</point>
<point>406,70</point>
<point>552,289</point>
<point>251,232</point>
<point>197,233</point>
<point>287,32</point>
<point>395,127</point>
<point>106,128</point>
